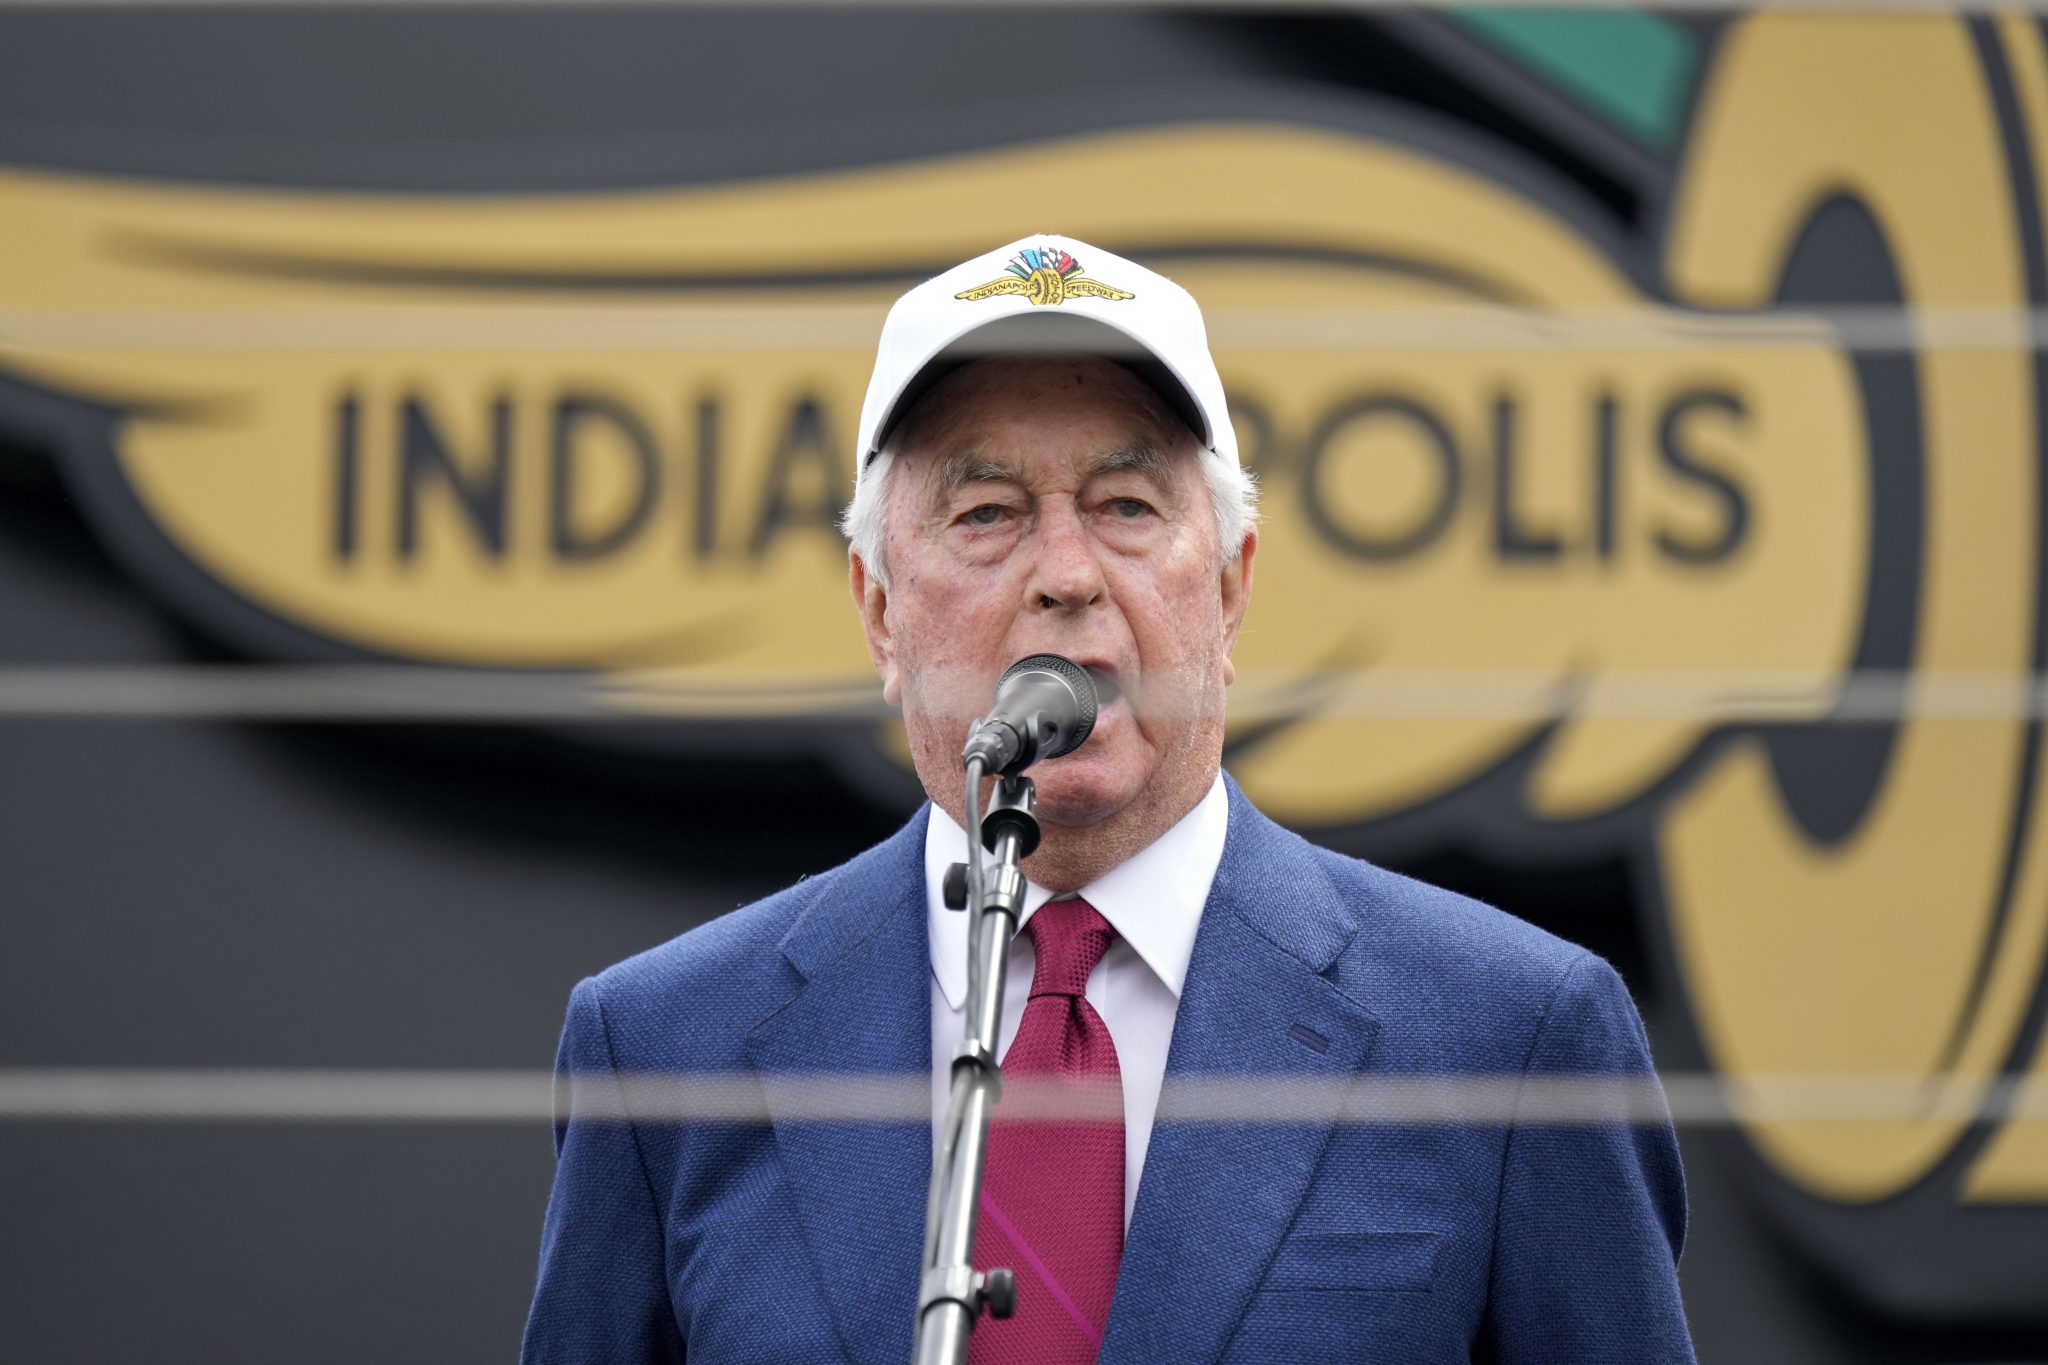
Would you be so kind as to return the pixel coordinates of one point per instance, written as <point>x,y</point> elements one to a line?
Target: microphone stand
<point>952,1293</point>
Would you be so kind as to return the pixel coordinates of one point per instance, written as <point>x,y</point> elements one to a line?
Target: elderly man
<point>1047,465</point>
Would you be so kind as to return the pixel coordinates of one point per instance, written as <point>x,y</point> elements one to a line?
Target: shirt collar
<point>1153,899</point>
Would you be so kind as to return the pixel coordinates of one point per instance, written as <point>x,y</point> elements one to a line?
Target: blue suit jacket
<point>799,1240</point>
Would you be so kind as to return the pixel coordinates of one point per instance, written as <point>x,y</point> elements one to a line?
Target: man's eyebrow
<point>963,467</point>
<point>1141,458</point>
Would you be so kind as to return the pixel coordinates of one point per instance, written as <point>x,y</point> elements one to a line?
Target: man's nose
<point>1066,572</point>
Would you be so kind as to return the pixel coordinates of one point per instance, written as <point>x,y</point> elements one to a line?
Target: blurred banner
<point>1626,391</point>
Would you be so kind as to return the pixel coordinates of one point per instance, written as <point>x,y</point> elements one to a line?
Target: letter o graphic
<point>1380,407</point>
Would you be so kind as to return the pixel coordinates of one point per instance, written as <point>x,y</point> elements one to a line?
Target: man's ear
<point>871,599</point>
<point>1237,596</point>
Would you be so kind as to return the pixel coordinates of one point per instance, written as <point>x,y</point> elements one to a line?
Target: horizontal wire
<point>93,1095</point>
<point>401,693</point>
<point>657,327</point>
<point>1321,6</point>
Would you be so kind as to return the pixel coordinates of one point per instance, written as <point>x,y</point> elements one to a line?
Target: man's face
<point>1054,504</point>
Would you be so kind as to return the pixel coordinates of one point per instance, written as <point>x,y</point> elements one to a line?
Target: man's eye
<point>1129,507</point>
<point>988,514</point>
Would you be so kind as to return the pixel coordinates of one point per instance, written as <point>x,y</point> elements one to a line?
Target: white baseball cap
<point>1047,294</point>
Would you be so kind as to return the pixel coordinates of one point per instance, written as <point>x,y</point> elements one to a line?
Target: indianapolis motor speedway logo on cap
<point>1500,432</point>
<point>1045,275</point>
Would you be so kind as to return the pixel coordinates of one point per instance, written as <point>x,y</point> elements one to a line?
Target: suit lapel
<point>1216,1198</point>
<point>863,1009</point>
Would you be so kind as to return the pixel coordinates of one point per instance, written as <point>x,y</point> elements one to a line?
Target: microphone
<point>1045,707</point>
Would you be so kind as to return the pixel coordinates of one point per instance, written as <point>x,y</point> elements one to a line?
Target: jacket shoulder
<point>703,990</point>
<point>1390,924</point>
<point>1457,976</point>
<point>1429,920</point>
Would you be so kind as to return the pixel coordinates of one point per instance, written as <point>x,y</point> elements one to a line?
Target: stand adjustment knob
<point>1000,1287</point>
<point>956,886</point>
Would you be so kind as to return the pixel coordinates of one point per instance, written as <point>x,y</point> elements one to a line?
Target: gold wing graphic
<point>1009,284</point>
<point>1045,286</point>
<point>1082,287</point>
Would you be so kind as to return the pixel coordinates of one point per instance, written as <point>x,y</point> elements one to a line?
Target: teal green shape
<point>1632,69</point>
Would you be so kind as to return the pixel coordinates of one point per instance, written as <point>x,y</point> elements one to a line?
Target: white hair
<point>1233,496</point>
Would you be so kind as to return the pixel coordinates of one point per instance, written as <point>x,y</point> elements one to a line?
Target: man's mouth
<point>1106,689</point>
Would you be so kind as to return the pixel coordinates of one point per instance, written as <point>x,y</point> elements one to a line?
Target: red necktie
<point>1052,1200</point>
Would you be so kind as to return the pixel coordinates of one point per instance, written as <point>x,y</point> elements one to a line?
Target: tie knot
<point>1069,937</point>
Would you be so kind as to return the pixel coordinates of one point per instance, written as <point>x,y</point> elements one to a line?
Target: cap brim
<point>1045,333</point>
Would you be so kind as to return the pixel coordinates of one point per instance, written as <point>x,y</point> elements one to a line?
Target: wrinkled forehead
<point>1022,410</point>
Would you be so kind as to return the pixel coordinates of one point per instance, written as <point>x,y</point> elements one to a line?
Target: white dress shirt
<point>1154,902</point>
